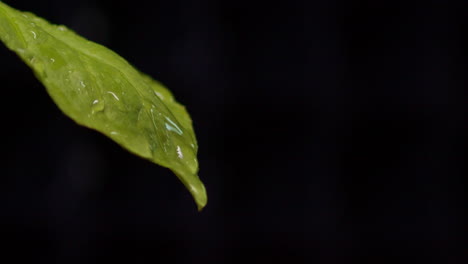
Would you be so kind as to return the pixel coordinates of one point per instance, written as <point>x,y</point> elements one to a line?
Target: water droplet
<point>114,133</point>
<point>34,34</point>
<point>179,153</point>
<point>33,24</point>
<point>52,60</point>
<point>114,95</point>
<point>82,84</point>
<point>98,106</point>
<point>62,28</point>
<point>159,95</point>
<point>171,126</point>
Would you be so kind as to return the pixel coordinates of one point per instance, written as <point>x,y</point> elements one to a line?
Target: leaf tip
<point>195,186</point>
<point>199,194</point>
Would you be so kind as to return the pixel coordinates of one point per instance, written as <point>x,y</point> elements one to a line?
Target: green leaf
<point>100,90</point>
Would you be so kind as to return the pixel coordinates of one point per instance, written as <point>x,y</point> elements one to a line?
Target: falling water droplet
<point>97,106</point>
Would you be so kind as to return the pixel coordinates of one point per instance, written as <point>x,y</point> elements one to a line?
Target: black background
<point>329,132</point>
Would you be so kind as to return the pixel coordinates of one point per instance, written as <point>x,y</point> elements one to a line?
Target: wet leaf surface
<point>100,90</point>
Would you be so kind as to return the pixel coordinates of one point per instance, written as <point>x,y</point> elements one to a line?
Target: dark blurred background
<point>329,132</point>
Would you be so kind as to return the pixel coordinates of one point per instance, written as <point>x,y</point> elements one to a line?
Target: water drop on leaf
<point>100,90</point>
<point>98,106</point>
